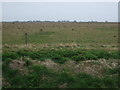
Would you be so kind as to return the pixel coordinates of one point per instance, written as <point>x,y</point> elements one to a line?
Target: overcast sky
<point>51,11</point>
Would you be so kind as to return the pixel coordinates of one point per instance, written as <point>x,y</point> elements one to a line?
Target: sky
<point>54,11</point>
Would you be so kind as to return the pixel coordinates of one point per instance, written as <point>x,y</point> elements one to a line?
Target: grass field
<point>60,55</point>
<point>53,33</point>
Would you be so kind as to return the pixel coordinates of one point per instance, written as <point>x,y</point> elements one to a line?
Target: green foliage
<point>78,58</point>
<point>11,55</point>
<point>115,55</point>
<point>83,80</point>
<point>104,55</point>
<point>7,61</point>
<point>40,55</point>
<point>110,82</point>
<point>60,56</point>
<point>28,62</point>
<point>24,53</point>
<point>39,77</point>
<point>90,55</point>
<point>39,69</point>
<point>64,77</point>
<point>113,71</point>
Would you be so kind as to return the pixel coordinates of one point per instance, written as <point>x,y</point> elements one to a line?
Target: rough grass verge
<point>62,55</point>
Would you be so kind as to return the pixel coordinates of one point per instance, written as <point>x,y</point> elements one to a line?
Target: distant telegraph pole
<point>26,41</point>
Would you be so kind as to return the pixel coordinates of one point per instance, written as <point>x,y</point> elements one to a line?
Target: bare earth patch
<point>19,65</point>
<point>93,67</point>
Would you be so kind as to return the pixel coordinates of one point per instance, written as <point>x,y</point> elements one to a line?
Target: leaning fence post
<point>26,41</point>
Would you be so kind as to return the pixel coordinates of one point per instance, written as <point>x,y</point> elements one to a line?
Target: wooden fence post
<point>73,35</point>
<point>26,41</point>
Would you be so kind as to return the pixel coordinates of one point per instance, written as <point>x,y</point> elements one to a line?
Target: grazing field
<point>55,33</point>
<point>60,55</point>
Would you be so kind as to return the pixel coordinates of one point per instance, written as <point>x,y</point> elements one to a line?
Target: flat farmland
<point>55,33</point>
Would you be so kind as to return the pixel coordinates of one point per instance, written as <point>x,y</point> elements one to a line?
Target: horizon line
<point>58,21</point>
